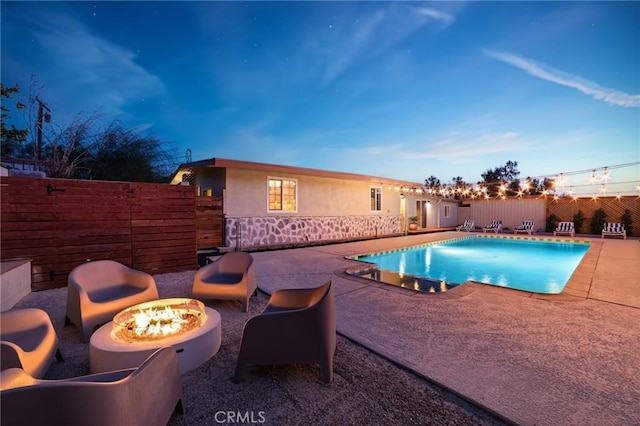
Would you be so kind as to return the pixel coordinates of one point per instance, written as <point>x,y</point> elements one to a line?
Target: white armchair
<point>100,289</point>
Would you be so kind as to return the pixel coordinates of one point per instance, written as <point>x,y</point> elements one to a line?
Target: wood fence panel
<point>159,219</point>
<point>614,207</point>
<point>60,223</point>
<point>209,222</point>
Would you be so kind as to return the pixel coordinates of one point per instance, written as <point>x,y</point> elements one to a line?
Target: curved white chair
<point>29,341</point>
<point>231,277</point>
<point>147,395</point>
<point>100,289</point>
<point>298,326</point>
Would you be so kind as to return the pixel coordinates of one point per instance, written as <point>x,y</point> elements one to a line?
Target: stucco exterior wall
<point>246,196</point>
<point>328,208</point>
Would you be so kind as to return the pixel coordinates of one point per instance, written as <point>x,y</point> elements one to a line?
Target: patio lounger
<point>28,341</point>
<point>494,226</point>
<point>564,228</point>
<point>297,326</point>
<point>526,227</point>
<point>147,395</point>
<point>100,289</point>
<point>613,229</point>
<point>231,277</point>
<point>466,226</point>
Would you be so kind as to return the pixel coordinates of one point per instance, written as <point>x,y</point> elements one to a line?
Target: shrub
<point>597,221</point>
<point>627,222</point>
<point>578,221</point>
<point>552,222</point>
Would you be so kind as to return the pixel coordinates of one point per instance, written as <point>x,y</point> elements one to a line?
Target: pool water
<point>522,264</point>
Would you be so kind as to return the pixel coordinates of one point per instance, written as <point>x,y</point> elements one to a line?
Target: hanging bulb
<point>592,179</point>
<point>605,175</point>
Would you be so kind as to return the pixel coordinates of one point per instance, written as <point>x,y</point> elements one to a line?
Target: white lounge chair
<point>564,228</point>
<point>466,226</point>
<point>100,289</point>
<point>613,229</point>
<point>147,395</point>
<point>298,326</point>
<point>526,227</point>
<point>231,277</point>
<point>28,341</point>
<point>494,226</point>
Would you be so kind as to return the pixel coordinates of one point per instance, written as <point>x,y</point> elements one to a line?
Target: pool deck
<point>568,359</point>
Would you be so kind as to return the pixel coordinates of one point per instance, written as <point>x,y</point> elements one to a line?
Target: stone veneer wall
<point>263,232</point>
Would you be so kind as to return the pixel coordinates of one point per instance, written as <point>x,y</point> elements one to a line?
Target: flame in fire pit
<point>158,319</point>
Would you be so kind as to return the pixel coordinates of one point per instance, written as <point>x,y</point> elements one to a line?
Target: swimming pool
<point>540,266</point>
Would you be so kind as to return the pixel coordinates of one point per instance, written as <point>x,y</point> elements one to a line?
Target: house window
<point>376,199</point>
<point>447,211</point>
<point>282,195</point>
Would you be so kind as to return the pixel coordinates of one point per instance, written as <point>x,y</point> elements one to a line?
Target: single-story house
<point>269,205</point>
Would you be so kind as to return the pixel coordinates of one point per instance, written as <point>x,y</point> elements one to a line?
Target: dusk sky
<point>402,90</point>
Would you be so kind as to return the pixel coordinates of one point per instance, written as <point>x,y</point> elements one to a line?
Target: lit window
<point>282,195</point>
<point>447,211</point>
<point>376,199</point>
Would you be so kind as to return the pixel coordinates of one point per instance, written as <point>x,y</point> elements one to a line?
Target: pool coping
<point>576,289</point>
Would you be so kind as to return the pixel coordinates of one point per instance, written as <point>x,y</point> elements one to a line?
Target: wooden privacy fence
<point>209,222</point>
<point>614,207</point>
<point>60,223</point>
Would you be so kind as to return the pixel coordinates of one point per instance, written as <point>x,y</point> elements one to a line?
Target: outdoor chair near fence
<point>494,226</point>
<point>28,341</point>
<point>612,229</point>
<point>564,228</point>
<point>100,289</point>
<point>525,228</point>
<point>466,226</point>
<point>231,277</point>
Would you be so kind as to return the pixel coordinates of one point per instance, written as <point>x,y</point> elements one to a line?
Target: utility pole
<point>42,115</point>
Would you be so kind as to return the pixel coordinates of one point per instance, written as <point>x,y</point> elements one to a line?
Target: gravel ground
<point>367,389</point>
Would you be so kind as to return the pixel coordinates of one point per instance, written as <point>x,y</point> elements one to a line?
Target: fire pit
<point>157,320</point>
<point>192,329</point>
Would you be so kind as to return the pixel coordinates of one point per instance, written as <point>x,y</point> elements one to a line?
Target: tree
<point>123,155</point>
<point>626,220</point>
<point>432,183</point>
<point>500,179</point>
<point>597,221</point>
<point>11,138</point>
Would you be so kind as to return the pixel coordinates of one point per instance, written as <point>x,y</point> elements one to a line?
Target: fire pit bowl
<point>158,320</point>
<point>187,325</point>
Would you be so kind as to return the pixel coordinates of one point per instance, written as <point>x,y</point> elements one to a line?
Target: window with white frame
<point>283,194</point>
<point>447,211</point>
<point>376,199</point>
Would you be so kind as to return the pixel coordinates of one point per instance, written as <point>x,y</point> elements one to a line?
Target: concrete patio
<point>572,359</point>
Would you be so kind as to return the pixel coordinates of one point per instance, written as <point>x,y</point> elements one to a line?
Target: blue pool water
<point>530,265</point>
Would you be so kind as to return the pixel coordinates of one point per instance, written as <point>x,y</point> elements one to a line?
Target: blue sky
<point>403,90</point>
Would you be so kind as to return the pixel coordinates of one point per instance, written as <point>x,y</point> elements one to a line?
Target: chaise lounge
<point>564,228</point>
<point>494,226</point>
<point>612,229</point>
<point>525,228</point>
<point>466,226</point>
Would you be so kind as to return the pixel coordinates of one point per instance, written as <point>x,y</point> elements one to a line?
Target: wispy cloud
<point>370,36</point>
<point>90,70</point>
<point>454,148</point>
<point>445,19</point>
<point>610,96</point>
